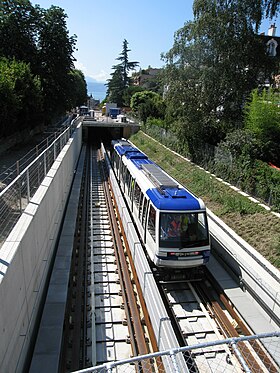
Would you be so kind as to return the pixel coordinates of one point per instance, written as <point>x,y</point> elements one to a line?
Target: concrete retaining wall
<point>26,256</point>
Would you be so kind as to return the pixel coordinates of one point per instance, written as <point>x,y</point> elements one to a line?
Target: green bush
<point>165,137</point>
<point>20,97</point>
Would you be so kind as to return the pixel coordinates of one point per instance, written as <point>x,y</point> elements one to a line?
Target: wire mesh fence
<point>257,353</point>
<point>21,180</point>
<point>11,172</point>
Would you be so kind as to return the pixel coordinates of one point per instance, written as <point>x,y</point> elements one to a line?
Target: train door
<point>151,232</point>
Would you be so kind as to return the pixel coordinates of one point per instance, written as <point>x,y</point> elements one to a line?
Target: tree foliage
<point>77,91</point>
<point>115,86</point>
<point>55,51</point>
<point>147,104</point>
<point>36,47</point>
<point>214,64</point>
<point>20,97</point>
<point>120,80</point>
<point>129,92</point>
<point>262,118</point>
<point>125,65</point>
<point>18,30</point>
<point>255,11</point>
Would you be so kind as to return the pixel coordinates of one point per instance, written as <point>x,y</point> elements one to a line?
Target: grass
<point>254,224</point>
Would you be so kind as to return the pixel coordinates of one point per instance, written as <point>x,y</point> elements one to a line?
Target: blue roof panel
<point>135,155</point>
<point>121,149</point>
<point>140,161</point>
<point>173,199</point>
<point>167,196</point>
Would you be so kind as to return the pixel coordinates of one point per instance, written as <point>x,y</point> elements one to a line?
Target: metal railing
<point>11,172</point>
<point>23,179</point>
<point>167,361</point>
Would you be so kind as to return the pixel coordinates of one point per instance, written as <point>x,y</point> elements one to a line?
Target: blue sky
<point>101,27</point>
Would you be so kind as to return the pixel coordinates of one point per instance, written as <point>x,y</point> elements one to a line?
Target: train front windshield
<point>183,230</point>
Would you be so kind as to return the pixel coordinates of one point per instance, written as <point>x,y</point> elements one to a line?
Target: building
<point>272,43</point>
<point>146,77</point>
<point>92,103</point>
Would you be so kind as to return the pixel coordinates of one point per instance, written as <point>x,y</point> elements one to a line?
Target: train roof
<point>164,192</point>
<point>168,194</point>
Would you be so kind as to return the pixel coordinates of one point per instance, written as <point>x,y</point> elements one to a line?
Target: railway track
<point>202,314</point>
<point>104,319</point>
<point>107,319</point>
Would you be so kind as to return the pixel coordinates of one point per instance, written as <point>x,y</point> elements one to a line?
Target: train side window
<point>123,172</point>
<point>127,178</point>
<point>129,184</point>
<point>131,188</point>
<point>145,205</point>
<point>114,160</point>
<point>141,205</point>
<point>117,162</point>
<point>137,192</point>
<point>152,222</point>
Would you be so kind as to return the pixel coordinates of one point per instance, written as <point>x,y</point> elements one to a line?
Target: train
<point>170,219</point>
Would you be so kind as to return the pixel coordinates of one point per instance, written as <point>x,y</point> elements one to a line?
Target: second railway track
<point>104,317</point>
<point>202,314</point>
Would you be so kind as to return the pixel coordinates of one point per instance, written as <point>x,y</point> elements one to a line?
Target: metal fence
<point>23,179</point>
<point>205,357</point>
<point>11,172</point>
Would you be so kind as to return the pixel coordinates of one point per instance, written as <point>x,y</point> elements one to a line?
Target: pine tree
<point>125,64</point>
<point>115,87</point>
<point>120,80</point>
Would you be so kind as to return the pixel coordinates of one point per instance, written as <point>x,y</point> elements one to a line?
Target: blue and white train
<point>159,204</point>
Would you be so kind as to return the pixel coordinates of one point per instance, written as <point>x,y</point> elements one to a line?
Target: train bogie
<point>171,220</point>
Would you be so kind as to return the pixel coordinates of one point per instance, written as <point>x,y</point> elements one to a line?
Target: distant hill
<point>96,89</point>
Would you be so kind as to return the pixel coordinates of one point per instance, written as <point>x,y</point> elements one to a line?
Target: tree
<point>120,80</point>
<point>147,104</point>
<point>115,86</point>
<point>55,53</point>
<point>125,65</point>
<point>77,91</point>
<point>215,62</point>
<point>39,38</point>
<point>262,115</point>
<point>129,92</point>
<point>256,11</point>
<point>18,30</point>
<point>20,97</point>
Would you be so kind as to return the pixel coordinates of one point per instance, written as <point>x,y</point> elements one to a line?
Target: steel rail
<point>78,349</point>
<point>72,352</point>
<point>137,335</point>
<point>229,330</point>
<point>147,320</point>
<point>261,352</point>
